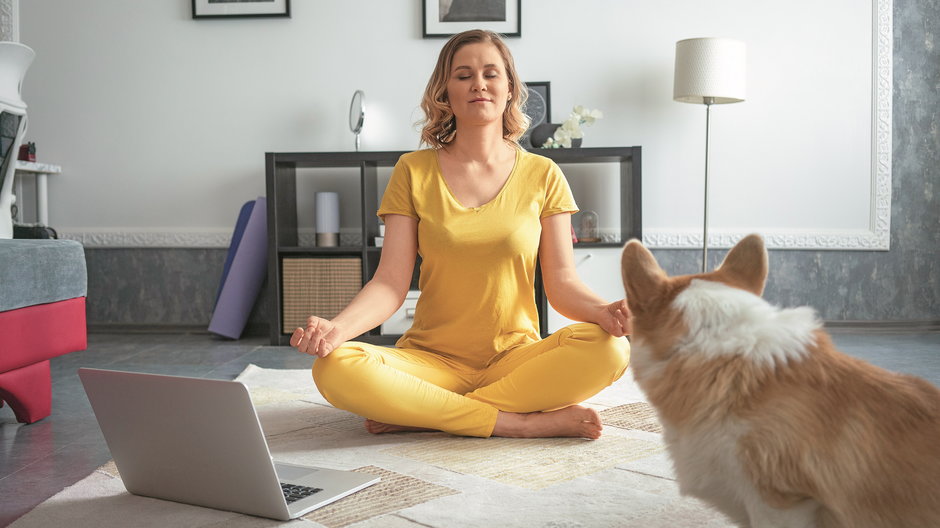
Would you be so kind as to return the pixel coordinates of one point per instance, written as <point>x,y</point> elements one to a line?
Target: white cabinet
<point>599,268</point>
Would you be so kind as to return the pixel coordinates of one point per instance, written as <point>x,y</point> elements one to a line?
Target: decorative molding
<point>882,122</point>
<point>812,240</point>
<point>150,239</point>
<point>878,236</point>
<point>184,239</point>
<point>10,20</point>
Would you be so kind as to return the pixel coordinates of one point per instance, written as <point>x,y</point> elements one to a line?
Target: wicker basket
<point>319,286</point>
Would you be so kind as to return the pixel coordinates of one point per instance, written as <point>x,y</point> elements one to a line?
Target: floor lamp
<point>709,71</point>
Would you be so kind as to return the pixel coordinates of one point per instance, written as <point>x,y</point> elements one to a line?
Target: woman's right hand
<point>319,338</point>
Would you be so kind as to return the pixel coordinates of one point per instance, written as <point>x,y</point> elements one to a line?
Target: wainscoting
<point>158,289</point>
<point>174,289</point>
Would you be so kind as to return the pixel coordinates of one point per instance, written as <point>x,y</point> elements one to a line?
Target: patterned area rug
<point>435,480</point>
<point>639,415</point>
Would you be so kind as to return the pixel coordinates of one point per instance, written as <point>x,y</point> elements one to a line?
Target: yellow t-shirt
<point>478,264</point>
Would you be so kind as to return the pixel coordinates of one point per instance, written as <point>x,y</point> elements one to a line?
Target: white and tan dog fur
<point>763,418</point>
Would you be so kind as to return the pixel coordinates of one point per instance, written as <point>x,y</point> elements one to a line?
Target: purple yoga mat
<point>245,276</point>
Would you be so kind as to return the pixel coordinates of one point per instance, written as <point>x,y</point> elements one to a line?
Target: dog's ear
<point>745,265</point>
<point>642,276</point>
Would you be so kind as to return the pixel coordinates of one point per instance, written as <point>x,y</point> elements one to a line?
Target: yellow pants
<point>422,389</point>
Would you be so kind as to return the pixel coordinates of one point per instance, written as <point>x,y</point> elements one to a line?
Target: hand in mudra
<point>319,338</point>
<point>616,319</point>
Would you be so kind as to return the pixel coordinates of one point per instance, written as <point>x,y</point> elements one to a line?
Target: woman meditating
<point>481,212</point>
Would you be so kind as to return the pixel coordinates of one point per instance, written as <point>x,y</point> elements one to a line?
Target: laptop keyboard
<point>295,492</point>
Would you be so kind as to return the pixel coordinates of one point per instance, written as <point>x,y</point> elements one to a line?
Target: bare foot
<point>574,421</point>
<point>378,428</point>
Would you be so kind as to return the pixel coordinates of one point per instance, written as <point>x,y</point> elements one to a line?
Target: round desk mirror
<point>356,114</point>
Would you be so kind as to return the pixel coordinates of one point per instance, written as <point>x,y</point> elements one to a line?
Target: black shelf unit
<point>283,234</point>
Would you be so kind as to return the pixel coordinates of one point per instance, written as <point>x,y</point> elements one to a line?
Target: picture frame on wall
<point>445,18</point>
<point>539,102</point>
<point>538,107</point>
<point>240,8</point>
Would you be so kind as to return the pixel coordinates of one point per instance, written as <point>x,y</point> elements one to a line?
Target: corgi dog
<point>763,418</point>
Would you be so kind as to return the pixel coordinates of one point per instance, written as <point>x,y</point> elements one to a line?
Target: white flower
<point>587,116</point>
<point>562,137</point>
<point>571,128</point>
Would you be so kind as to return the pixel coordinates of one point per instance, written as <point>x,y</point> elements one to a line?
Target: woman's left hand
<point>615,318</point>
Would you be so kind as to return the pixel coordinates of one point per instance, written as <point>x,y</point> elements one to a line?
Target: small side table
<point>41,171</point>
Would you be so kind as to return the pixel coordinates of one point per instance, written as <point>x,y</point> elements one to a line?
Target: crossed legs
<point>532,390</point>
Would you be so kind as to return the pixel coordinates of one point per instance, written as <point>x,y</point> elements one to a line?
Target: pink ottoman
<point>42,315</point>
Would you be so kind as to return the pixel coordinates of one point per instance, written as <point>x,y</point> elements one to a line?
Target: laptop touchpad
<point>288,473</point>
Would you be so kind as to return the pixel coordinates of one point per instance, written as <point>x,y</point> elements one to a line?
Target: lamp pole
<point>709,101</point>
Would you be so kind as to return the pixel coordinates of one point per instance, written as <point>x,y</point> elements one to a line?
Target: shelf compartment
<point>320,286</point>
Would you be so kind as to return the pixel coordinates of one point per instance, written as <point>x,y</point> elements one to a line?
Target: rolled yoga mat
<point>244,271</point>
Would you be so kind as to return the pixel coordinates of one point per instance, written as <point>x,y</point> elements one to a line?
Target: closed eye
<point>487,76</point>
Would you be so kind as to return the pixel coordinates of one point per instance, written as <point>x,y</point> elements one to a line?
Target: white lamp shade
<point>710,70</point>
<point>15,59</point>
<point>327,212</point>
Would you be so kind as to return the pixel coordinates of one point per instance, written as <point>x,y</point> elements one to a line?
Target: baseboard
<point>883,327</point>
<point>251,329</point>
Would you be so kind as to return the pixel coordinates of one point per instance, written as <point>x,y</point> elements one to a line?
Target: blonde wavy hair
<point>439,126</point>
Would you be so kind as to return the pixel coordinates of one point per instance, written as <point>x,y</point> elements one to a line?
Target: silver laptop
<point>199,441</point>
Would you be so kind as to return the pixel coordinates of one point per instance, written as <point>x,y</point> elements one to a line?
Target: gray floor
<point>39,460</point>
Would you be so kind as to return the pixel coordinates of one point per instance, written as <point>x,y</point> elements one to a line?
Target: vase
<point>541,133</point>
<point>327,215</point>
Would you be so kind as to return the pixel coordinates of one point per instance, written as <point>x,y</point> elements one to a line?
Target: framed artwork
<point>444,18</point>
<point>240,8</point>
<point>538,107</point>
<point>539,104</point>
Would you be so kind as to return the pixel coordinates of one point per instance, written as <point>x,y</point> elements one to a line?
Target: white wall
<point>161,122</point>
